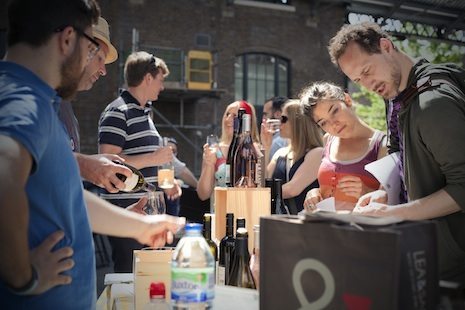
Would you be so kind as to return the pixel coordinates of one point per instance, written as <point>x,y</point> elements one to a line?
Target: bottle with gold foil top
<point>241,275</point>
<point>207,234</point>
<point>135,182</point>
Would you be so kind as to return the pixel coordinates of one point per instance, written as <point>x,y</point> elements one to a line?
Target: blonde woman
<point>350,144</point>
<point>213,165</point>
<point>296,164</point>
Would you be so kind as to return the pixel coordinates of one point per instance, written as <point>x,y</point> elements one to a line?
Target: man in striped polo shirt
<point>126,129</point>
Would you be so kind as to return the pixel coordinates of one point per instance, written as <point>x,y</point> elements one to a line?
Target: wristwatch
<point>29,286</point>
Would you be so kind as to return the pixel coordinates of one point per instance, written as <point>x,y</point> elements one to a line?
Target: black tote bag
<point>326,264</point>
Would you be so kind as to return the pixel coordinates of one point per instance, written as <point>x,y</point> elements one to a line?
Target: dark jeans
<point>122,253</point>
<point>122,248</point>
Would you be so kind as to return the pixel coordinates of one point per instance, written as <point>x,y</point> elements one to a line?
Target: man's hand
<point>159,229</point>
<point>375,204</point>
<point>379,196</point>
<point>163,155</point>
<point>50,265</point>
<point>101,170</point>
<point>376,209</point>
<point>266,136</point>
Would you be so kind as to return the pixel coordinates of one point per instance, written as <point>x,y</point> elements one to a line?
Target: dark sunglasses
<point>284,119</point>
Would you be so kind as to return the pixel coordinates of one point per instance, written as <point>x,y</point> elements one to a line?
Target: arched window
<point>260,76</point>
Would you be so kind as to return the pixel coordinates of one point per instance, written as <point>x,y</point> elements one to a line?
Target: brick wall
<point>300,36</point>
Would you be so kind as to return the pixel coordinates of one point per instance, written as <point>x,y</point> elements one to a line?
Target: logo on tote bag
<point>350,301</point>
<point>326,275</point>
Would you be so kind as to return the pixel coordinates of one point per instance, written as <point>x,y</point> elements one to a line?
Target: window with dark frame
<point>260,76</point>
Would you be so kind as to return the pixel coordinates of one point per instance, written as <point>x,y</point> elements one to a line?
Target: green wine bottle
<point>135,182</point>
<point>241,274</point>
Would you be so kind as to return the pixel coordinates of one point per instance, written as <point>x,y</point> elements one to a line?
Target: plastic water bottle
<point>192,271</point>
<point>157,297</point>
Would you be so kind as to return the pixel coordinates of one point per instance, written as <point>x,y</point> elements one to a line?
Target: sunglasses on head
<point>284,119</point>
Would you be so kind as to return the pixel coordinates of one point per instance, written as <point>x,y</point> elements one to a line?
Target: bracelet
<point>29,286</point>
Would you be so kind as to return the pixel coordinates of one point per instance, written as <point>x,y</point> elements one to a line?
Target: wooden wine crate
<point>151,265</point>
<point>249,203</point>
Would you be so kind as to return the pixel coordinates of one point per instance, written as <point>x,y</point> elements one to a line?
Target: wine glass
<point>166,171</point>
<point>212,141</point>
<point>155,203</point>
<point>272,125</point>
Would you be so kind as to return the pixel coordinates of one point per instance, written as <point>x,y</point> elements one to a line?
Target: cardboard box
<point>250,203</point>
<point>151,265</point>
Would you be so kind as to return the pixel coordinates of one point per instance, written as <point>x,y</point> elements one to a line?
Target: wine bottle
<point>255,259</point>
<point>135,182</point>
<point>269,182</point>
<point>260,167</point>
<point>241,274</point>
<point>245,158</point>
<point>279,205</point>
<point>233,147</point>
<point>226,251</point>
<point>240,222</point>
<point>207,234</point>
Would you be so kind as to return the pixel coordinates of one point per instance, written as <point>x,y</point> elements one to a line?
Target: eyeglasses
<point>284,119</point>
<point>94,47</point>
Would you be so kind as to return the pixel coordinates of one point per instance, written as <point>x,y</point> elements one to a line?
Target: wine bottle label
<point>227,176</point>
<point>221,275</point>
<point>131,182</point>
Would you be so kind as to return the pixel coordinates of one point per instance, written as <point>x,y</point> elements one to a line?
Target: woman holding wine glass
<point>296,164</point>
<point>214,160</point>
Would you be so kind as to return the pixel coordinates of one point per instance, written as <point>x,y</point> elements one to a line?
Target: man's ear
<point>148,77</point>
<point>348,100</point>
<point>386,45</point>
<point>67,40</point>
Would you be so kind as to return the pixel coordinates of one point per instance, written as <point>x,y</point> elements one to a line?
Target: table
<point>119,295</point>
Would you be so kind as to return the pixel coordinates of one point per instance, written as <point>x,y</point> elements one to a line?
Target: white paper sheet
<point>387,171</point>
<point>328,204</point>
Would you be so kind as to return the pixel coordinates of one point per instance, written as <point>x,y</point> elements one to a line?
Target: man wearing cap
<point>185,175</point>
<point>98,169</point>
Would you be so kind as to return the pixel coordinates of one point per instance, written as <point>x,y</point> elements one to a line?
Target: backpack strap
<point>426,83</point>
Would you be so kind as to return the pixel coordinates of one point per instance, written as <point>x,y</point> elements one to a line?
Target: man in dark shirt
<point>429,107</point>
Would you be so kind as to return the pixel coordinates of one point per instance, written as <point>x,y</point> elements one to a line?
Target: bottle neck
<point>278,192</point>
<point>229,230</point>
<point>256,242</point>
<point>207,233</point>
<point>241,247</point>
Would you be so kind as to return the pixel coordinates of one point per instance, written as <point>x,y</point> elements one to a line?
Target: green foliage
<point>373,113</point>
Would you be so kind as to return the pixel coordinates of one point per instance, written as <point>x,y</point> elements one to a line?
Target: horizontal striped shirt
<point>125,123</point>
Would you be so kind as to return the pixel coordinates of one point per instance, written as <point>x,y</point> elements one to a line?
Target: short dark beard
<point>71,75</point>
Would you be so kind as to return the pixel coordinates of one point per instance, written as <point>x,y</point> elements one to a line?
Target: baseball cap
<point>101,31</point>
